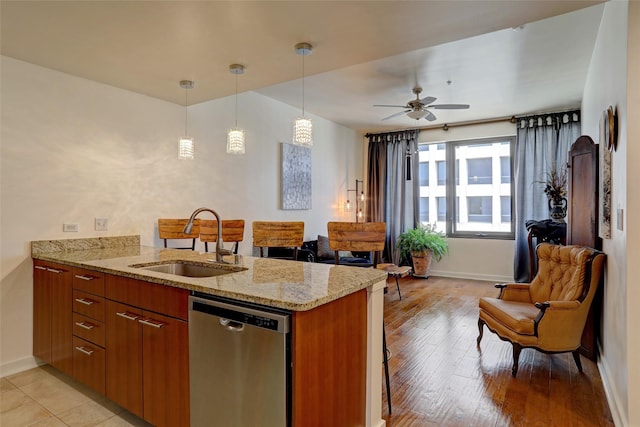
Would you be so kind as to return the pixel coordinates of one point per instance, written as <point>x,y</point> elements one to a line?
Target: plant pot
<point>421,263</point>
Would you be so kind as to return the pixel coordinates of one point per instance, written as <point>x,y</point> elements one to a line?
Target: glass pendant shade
<point>235,141</point>
<point>303,132</point>
<point>185,148</point>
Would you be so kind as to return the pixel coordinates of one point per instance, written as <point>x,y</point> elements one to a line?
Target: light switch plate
<point>619,218</point>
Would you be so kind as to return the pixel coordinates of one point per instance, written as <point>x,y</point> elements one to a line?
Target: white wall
<point>484,259</point>
<point>73,150</point>
<point>612,80</point>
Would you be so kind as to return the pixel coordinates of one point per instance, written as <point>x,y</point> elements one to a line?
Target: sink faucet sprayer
<point>220,251</point>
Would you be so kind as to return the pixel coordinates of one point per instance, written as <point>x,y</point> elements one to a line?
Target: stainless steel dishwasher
<point>239,364</point>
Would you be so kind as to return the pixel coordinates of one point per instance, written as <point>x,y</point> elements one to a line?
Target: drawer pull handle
<point>82,277</point>
<point>85,351</point>
<point>127,316</point>
<point>150,322</point>
<point>84,325</point>
<point>54,270</point>
<point>39,267</point>
<point>85,301</point>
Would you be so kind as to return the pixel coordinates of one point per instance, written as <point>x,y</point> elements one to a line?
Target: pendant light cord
<point>303,85</point>
<point>186,106</point>
<point>236,101</point>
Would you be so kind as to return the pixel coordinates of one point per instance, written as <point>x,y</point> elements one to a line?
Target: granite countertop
<point>291,285</point>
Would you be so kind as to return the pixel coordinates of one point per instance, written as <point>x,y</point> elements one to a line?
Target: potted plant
<point>555,187</point>
<point>422,244</point>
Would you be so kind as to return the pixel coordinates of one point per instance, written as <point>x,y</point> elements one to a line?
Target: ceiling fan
<point>418,108</point>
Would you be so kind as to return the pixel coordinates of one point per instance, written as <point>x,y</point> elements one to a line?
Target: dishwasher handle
<point>231,325</point>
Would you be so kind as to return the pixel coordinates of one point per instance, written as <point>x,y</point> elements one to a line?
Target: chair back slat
<point>357,236</point>
<point>280,234</point>
<point>232,230</point>
<point>172,228</point>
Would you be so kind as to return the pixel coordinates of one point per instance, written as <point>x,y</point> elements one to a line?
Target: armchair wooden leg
<point>576,358</point>
<point>517,348</point>
<point>480,324</point>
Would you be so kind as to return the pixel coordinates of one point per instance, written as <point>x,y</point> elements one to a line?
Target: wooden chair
<point>171,229</point>
<point>278,234</point>
<point>362,237</point>
<point>232,231</point>
<point>549,313</point>
<point>358,237</point>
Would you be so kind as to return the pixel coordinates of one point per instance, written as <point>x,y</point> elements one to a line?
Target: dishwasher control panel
<point>260,317</point>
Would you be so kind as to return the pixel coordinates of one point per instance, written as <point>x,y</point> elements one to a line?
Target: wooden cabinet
<point>148,353</point>
<point>52,332</point>
<point>329,352</point>
<point>583,222</point>
<point>88,328</point>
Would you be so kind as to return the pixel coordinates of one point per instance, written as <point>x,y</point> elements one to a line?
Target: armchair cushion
<point>517,316</point>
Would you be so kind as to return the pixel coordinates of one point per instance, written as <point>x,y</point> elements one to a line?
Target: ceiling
<point>503,58</point>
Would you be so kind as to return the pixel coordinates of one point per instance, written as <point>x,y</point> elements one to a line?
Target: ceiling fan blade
<point>428,100</point>
<point>430,116</point>
<point>396,114</point>
<point>386,105</point>
<point>449,106</point>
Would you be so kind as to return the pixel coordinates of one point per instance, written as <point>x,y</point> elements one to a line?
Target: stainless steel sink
<point>190,269</point>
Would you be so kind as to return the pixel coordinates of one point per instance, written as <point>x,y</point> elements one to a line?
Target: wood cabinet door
<point>41,312</point>
<point>329,351</point>
<point>166,370</point>
<point>124,356</point>
<point>61,318</point>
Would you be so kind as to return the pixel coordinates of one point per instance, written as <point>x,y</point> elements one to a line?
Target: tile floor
<point>45,397</point>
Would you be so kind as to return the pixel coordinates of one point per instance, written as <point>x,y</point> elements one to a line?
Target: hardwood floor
<point>440,378</point>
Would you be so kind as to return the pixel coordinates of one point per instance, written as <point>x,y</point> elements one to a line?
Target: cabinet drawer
<point>88,364</point>
<point>88,304</point>
<point>88,281</point>
<point>89,329</point>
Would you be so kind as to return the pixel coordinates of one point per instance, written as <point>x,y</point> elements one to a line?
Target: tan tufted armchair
<point>549,313</point>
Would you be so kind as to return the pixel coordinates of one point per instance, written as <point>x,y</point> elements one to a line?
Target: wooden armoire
<point>582,223</point>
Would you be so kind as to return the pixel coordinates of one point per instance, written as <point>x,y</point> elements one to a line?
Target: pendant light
<point>235,136</point>
<point>186,144</point>
<point>302,127</point>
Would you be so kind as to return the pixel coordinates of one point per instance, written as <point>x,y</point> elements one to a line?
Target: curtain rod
<point>446,126</point>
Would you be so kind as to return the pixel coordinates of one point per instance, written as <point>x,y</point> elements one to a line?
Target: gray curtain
<point>392,185</point>
<point>542,143</point>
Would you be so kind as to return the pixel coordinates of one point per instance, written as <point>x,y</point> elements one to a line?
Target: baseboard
<point>615,404</point>
<point>458,275</point>
<point>16,366</point>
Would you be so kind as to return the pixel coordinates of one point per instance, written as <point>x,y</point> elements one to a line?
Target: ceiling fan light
<point>235,141</point>
<point>185,148</point>
<point>417,114</point>
<point>303,132</point>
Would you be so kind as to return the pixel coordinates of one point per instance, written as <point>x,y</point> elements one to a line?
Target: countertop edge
<point>287,305</point>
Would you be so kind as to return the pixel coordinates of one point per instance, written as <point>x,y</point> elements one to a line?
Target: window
<point>505,169</point>
<point>442,172</point>
<point>479,209</point>
<point>473,193</point>
<point>442,208</point>
<point>424,209</point>
<point>479,171</point>
<point>424,174</point>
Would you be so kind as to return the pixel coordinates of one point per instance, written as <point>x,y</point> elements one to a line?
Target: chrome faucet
<point>220,251</point>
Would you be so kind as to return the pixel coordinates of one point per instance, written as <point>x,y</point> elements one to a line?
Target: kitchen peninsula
<point>96,285</point>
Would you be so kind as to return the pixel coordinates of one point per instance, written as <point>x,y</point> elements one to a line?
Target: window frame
<point>452,198</point>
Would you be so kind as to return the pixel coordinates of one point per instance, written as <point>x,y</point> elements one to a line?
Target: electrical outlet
<point>70,228</point>
<point>102,224</point>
